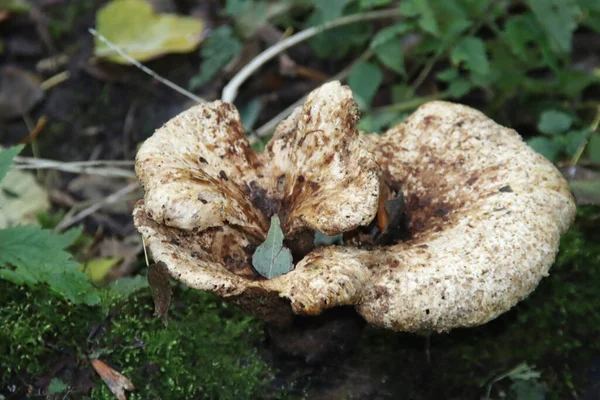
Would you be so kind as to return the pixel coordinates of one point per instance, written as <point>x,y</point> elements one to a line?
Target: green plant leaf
<point>57,386</point>
<point>133,26</point>
<point>553,122</point>
<point>422,9</point>
<point>364,80</point>
<point>330,9</point>
<point>471,51</point>
<point>249,113</point>
<point>389,33</point>
<point>547,147</point>
<point>391,55</point>
<point>459,87</point>
<point>324,240</point>
<point>593,148</point>
<point>7,157</point>
<point>30,255</point>
<point>447,75</point>
<point>574,140</point>
<point>271,259</point>
<point>217,51</point>
<point>558,18</point>
<point>367,4</point>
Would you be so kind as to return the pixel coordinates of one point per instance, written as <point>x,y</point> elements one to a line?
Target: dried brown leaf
<point>158,279</point>
<point>116,382</point>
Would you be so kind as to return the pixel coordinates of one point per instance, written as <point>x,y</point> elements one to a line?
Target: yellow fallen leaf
<point>116,382</point>
<point>98,268</point>
<point>21,199</point>
<point>133,26</point>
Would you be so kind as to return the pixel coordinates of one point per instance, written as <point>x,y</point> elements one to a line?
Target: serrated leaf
<point>471,51</point>
<point>217,51</point>
<point>547,147</point>
<point>391,55</point>
<point>30,255</point>
<point>364,80</point>
<point>133,26</point>
<point>271,259</point>
<point>553,122</point>
<point>389,33</point>
<point>7,157</point>
<point>558,18</point>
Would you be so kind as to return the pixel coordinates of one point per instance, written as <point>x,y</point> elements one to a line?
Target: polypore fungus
<point>483,212</point>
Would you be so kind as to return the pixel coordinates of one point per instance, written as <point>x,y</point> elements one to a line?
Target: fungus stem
<point>231,89</point>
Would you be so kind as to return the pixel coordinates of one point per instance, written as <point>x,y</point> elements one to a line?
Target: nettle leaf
<point>218,50</point>
<point>459,87</point>
<point>574,140</point>
<point>271,259</point>
<point>553,122</point>
<point>471,51</point>
<point>364,80</point>
<point>30,255</point>
<point>7,157</point>
<point>549,148</point>
<point>558,18</point>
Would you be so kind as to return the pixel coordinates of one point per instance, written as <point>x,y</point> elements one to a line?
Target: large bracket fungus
<point>484,212</point>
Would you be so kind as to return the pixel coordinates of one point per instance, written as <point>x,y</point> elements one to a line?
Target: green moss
<point>207,350</point>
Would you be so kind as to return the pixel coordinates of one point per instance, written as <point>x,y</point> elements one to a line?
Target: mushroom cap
<point>486,211</point>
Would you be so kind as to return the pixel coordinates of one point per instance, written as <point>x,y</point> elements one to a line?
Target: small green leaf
<point>459,87</point>
<point>389,33</point>
<point>271,259</point>
<point>423,9</point>
<point>324,240</point>
<point>249,113</point>
<point>402,92</point>
<point>558,18</point>
<point>593,148</point>
<point>217,51</point>
<point>330,9</point>
<point>367,4</point>
<point>364,80</point>
<point>7,157</point>
<point>547,147</point>
<point>447,75</point>
<point>57,386</point>
<point>553,122</point>
<point>574,140</point>
<point>471,51</point>
<point>391,55</point>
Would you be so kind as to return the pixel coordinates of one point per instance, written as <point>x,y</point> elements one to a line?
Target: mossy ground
<point>208,349</point>
<point>211,350</point>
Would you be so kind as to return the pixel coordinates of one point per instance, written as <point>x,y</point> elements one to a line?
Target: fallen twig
<point>67,222</point>
<point>102,168</point>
